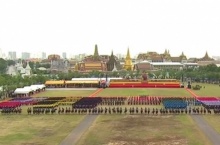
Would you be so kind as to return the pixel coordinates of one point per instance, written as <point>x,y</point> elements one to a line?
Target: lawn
<point>65,93</point>
<point>36,129</point>
<point>213,120</point>
<point>138,130</point>
<point>149,91</point>
<point>209,90</point>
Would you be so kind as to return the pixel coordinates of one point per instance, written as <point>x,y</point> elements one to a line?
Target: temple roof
<point>112,59</point>
<point>28,66</point>
<point>115,68</point>
<point>206,58</point>
<point>182,56</point>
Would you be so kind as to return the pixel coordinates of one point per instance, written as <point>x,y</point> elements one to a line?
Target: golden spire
<point>76,67</point>
<point>128,61</point>
<point>128,54</point>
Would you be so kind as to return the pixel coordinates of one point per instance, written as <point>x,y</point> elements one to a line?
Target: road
<point>77,132</point>
<point>208,130</point>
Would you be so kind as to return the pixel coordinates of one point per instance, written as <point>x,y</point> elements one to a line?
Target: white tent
<point>29,88</point>
<point>39,86</point>
<point>34,88</point>
<point>21,91</point>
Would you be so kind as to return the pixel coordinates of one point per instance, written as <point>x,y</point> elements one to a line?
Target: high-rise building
<point>81,56</point>
<point>25,55</point>
<point>12,55</point>
<point>64,55</point>
<point>43,55</point>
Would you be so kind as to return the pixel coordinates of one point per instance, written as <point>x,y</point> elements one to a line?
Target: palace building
<point>57,64</point>
<point>92,63</point>
<point>164,57</point>
<point>206,60</point>
<point>154,61</point>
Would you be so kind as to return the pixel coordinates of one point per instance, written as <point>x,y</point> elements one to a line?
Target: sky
<point>75,26</point>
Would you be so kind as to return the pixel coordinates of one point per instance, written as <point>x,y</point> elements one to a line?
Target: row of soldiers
<point>11,110</point>
<point>37,110</point>
<point>120,110</point>
<point>113,101</point>
<point>216,111</point>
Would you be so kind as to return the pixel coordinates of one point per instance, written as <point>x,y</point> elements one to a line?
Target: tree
<point>10,62</point>
<point>3,65</point>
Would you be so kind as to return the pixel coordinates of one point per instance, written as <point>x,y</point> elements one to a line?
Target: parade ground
<point>114,129</point>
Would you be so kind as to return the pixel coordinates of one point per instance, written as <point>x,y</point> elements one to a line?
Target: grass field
<point>36,129</point>
<point>65,93</point>
<point>139,130</point>
<point>109,129</point>
<point>209,90</point>
<point>213,120</point>
<point>149,91</point>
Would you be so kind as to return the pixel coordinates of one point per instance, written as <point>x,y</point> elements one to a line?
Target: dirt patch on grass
<point>145,130</point>
<point>32,144</point>
<point>46,133</point>
<point>165,142</point>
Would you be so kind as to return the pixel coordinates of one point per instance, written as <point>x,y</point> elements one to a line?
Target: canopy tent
<point>54,82</point>
<point>83,82</point>
<point>34,88</point>
<point>29,88</point>
<point>41,86</point>
<point>22,91</point>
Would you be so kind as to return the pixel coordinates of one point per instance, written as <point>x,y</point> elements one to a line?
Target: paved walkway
<point>208,130</point>
<point>192,93</point>
<point>96,92</point>
<point>77,132</point>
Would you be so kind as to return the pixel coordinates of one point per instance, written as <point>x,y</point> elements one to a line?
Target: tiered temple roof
<point>92,62</point>
<point>206,58</point>
<point>113,63</point>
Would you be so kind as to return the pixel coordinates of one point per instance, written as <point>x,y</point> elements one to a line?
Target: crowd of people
<point>119,105</point>
<point>121,110</point>
<point>16,110</point>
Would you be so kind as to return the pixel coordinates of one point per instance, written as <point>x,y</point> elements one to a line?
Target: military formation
<point>142,105</point>
<point>119,110</point>
<point>17,110</point>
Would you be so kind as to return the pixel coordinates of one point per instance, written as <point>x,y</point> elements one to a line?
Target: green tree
<point>3,65</point>
<point>10,62</point>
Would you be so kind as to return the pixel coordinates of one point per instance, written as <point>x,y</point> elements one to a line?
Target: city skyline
<point>75,27</point>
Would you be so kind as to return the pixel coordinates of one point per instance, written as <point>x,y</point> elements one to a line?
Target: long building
<point>147,66</point>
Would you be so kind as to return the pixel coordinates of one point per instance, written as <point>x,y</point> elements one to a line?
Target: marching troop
<point>111,110</point>
<point>118,105</point>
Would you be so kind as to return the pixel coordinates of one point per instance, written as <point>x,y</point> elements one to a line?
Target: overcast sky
<point>75,26</point>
